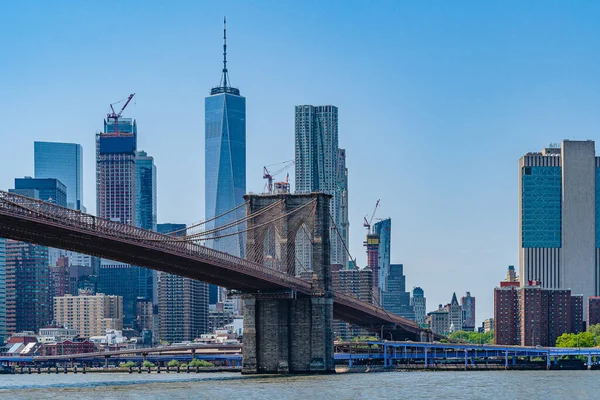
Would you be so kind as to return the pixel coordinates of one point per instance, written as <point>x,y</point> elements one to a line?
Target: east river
<point>387,385</point>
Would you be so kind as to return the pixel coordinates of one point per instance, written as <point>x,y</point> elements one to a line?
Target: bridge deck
<point>30,220</point>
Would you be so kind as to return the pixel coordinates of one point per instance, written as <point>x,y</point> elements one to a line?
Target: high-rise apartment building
<point>145,208</point>
<point>182,302</point>
<point>62,161</point>
<point>593,317</point>
<point>46,189</point>
<point>532,315</point>
<point>395,298</point>
<point>318,170</point>
<point>116,150</point>
<point>90,315</point>
<point>225,162</point>
<point>467,303</point>
<point>559,214</point>
<point>419,305</point>
<point>28,302</point>
<point>115,170</point>
<point>383,229</point>
<point>353,281</point>
<point>2,290</point>
<point>344,226</point>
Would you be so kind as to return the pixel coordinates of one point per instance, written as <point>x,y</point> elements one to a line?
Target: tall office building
<point>467,303</point>
<point>455,315</point>
<point>395,298</point>
<point>344,226</point>
<point>317,170</point>
<point>115,200</point>
<point>182,302</point>
<point>225,161</point>
<point>145,208</point>
<point>559,214</point>
<point>2,290</point>
<point>28,302</point>
<point>47,189</point>
<point>419,304</point>
<point>62,161</point>
<point>383,228</point>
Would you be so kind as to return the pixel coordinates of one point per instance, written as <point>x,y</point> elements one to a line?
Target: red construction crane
<point>114,116</point>
<point>367,223</point>
<point>269,176</point>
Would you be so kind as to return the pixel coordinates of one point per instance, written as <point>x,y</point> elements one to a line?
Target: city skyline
<point>484,100</point>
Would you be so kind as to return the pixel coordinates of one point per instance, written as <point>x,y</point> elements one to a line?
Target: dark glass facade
<point>145,209</point>
<point>395,298</point>
<point>62,161</point>
<point>384,230</point>
<point>225,168</point>
<point>48,189</point>
<point>541,220</point>
<point>28,302</point>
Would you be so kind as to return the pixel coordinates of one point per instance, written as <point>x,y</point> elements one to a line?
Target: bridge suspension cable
<point>206,221</point>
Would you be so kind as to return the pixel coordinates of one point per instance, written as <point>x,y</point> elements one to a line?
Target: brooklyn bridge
<point>287,319</point>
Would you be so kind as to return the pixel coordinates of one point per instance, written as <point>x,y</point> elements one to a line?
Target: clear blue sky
<point>437,102</point>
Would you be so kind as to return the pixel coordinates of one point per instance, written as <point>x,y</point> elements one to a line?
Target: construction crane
<point>269,176</point>
<point>115,116</point>
<point>367,223</point>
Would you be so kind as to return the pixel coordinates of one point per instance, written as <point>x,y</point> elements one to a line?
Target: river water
<point>386,385</point>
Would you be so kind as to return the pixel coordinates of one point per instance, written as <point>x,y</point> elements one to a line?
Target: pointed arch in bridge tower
<point>285,333</point>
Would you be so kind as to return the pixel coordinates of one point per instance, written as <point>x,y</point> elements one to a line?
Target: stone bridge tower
<point>286,332</point>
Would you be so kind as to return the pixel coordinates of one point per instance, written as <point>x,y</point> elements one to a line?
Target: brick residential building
<point>593,310</point>
<point>532,315</point>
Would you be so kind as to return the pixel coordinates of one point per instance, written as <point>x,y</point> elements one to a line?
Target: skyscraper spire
<point>225,76</point>
<point>225,84</point>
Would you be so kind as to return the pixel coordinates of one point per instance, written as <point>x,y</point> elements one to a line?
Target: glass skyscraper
<point>225,162</point>
<point>62,161</point>
<point>145,209</point>
<point>383,228</point>
<point>395,298</point>
<point>47,189</point>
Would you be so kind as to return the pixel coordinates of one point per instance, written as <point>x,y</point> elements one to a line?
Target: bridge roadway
<point>35,221</point>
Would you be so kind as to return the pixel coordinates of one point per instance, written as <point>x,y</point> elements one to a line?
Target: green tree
<point>173,363</point>
<point>595,330</point>
<point>127,364</point>
<point>200,363</point>
<point>582,339</point>
<point>147,364</point>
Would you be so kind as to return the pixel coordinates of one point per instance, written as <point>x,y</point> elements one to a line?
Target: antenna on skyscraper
<point>225,76</point>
